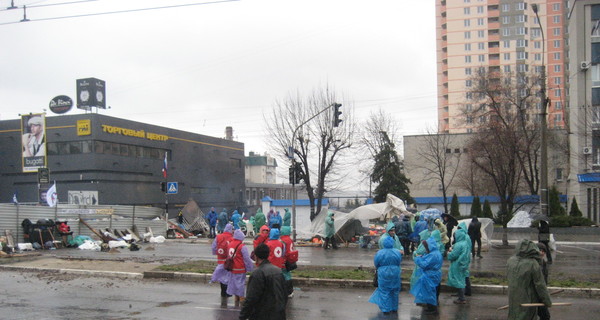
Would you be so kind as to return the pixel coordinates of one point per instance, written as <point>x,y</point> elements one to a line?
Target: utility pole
<point>543,124</point>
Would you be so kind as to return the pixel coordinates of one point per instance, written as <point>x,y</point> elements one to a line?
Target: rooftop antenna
<point>12,5</point>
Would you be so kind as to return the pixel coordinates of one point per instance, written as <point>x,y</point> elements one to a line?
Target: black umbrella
<point>450,217</point>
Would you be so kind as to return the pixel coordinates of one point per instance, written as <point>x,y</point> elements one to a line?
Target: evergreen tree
<point>387,173</point>
<point>554,207</point>
<point>454,210</point>
<point>487,210</point>
<point>575,212</point>
<point>476,207</point>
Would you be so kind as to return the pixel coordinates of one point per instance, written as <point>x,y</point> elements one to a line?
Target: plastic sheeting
<point>393,206</point>
<point>487,230</point>
<point>520,220</point>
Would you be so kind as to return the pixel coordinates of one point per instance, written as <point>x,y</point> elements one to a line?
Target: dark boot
<point>431,309</point>
<point>223,302</point>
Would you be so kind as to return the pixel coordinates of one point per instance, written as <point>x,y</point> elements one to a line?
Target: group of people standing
<point>432,240</point>
<point>273,254</point>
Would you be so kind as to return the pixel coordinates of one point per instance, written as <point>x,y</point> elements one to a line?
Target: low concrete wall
<point>577,234</point>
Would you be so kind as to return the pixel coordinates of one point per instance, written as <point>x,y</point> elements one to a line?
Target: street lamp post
<point>543,138</point>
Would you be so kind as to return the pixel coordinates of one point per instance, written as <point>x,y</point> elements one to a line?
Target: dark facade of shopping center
<point>122,161</point>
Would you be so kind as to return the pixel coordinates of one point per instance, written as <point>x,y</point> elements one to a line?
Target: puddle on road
<point>172,303</point>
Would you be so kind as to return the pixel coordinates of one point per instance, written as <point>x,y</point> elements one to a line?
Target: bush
<point>575,212</point>
<point>569,221</point>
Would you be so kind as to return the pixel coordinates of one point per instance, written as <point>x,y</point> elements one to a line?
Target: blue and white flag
<point>52,196</point>
<point>15,201</point>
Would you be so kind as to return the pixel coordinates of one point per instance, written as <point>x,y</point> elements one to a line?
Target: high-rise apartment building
<point>499,36</point>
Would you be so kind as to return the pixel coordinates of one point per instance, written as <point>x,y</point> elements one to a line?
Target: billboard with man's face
<point>33,141</point>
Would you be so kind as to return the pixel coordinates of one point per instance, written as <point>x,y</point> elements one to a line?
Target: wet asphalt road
<point>52,296</point>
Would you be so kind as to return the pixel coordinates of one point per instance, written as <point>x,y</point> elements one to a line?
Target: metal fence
<point>98,217</point>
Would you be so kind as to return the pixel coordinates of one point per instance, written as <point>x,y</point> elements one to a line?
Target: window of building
<point>506,32</point>
<point>468,83</point>
<point>467,34</point>
<point>480,9</point>
<point>557,80</point>
<point>536,21</point>
<point>521,6</point>
<point>469,119</point>
<point>481,45</point>
<point>468,59</point>
<point>467,71</point>
<point>467,1</point>
<point>556,43</point>
<point>467,47</point>
<point>556,19</point>
<point>522,67</point>
<point>481,33</point>
<point>521,55</point>
<point>596,96</point>
<point>507,56</point>
<point>595,12</point>
<point>537,44</point>
<point>505,7</point>
<point>595,52</point>
<point>520,18</point>
<point>556,7</point>
<point>481,58</point>
<point>469,107</point>
<point>521,31</point>
<point>521,43</point>
<point>558,119</point>
<point>557,68</point>
<point>507,68</point>
<point>481,119</point>
<point>467,22</point>
<point>506,43</point>
<point>537,56</point>
<point>467,10</point>
<point>536,32</point>
<point>506,20</point>
<point>557,92</point>
<point>556,31</point>
<point>469,95</point>
<point>558,105</point>
<point>480,22</point>
<point>522,93</point>
<point>559,174</point>
<point>557,56</point>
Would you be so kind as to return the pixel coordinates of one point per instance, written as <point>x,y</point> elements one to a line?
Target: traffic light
<point>163,186</point>
<point>336,114</point>
<point>295,173</point>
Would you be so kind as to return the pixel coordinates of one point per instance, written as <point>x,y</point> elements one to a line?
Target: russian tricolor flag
<point>164,169</point>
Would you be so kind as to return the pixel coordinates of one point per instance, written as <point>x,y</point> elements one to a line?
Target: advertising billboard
<point>91,93</point>
<point>33,142</point>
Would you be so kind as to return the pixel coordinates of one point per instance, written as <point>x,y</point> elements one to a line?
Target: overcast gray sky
<point>204,67</point>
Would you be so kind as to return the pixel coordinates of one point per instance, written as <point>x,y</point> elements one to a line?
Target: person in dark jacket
<point>266,297</point>
<point>543,312</point>
<point>544,237</point>
<point>403,231</point>
<point>475,235</point>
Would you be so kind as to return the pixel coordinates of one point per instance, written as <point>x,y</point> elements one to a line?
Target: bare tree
<point>316,143</point>
<point>438,161</point>
<point>372,139</point>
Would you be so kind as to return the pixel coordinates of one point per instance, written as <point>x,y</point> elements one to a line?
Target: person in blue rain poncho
<point>426,287</point>
<point>459,256</point>
<point>387,261</point>
<point>425,234</point>
<point>275,221</point>
<point>391,233</point>
<point>222,220</point>
<point>235,218</point>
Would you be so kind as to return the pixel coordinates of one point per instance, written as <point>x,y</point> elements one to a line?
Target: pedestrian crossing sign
<point>172,187</point>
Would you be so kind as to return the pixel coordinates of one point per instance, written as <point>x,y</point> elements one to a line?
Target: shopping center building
<point>97,159</point>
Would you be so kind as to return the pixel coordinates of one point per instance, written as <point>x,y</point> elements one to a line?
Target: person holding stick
<point>525,282</point>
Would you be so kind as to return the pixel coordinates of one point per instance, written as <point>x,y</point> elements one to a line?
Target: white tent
<point>393,206</point>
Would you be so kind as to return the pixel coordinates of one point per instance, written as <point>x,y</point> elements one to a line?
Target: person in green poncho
<point>259,220</point>
<point>525,282</point>
<point>287,218</point>
<point>459,256</point>
<point>391,233</point>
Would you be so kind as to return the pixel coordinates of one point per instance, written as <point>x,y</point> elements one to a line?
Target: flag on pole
<point>164,169</point>
<point>15,201</point>
<point>52,196</point>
